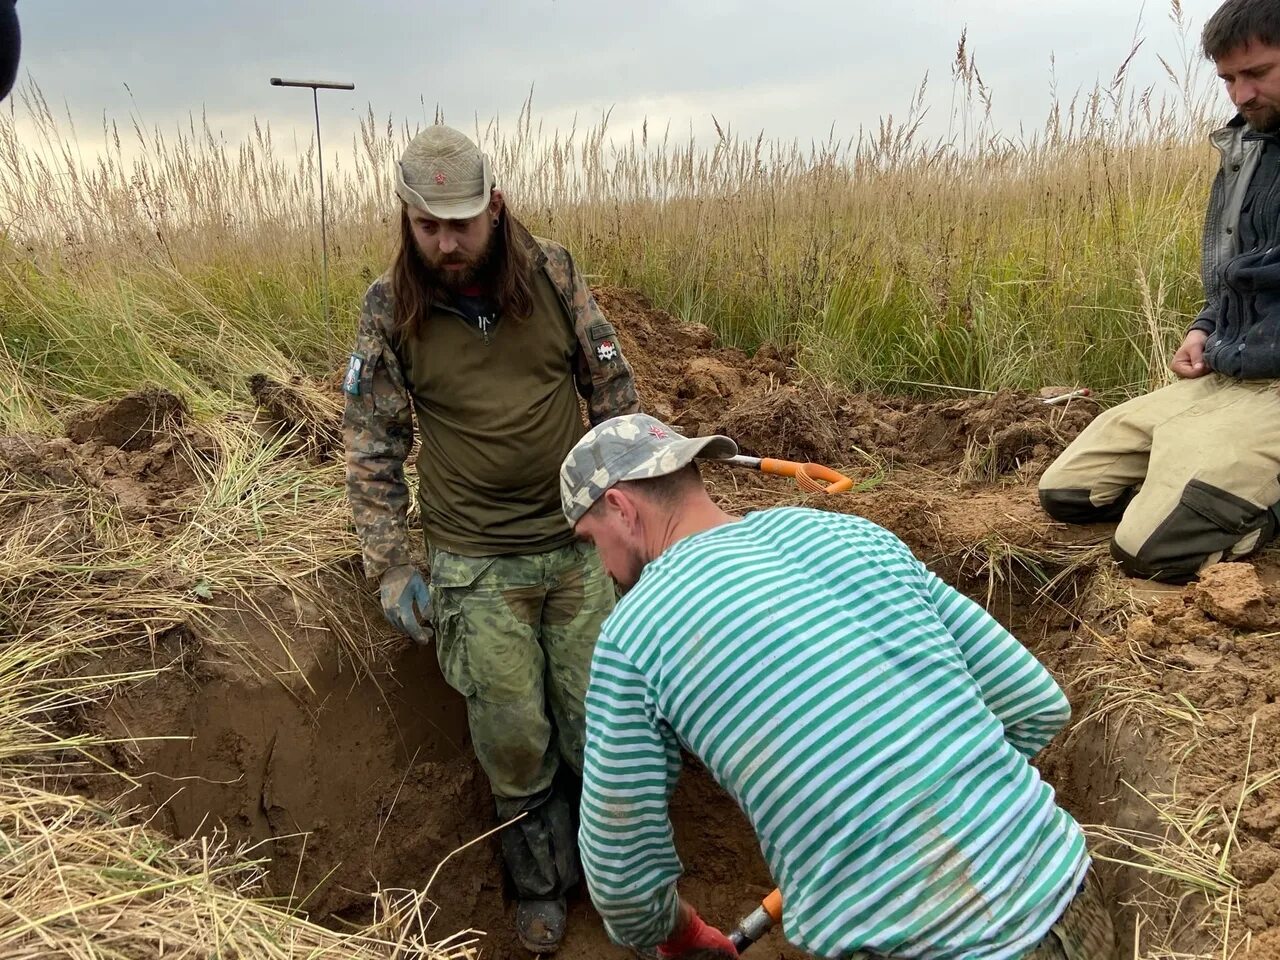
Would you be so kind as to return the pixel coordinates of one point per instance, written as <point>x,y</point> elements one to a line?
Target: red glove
<point>694,933</point>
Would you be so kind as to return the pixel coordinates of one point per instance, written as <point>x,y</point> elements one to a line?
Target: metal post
<point>316,86</point>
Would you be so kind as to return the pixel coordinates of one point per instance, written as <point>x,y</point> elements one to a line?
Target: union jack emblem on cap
<point>658,432</point>
<point>440,178</point>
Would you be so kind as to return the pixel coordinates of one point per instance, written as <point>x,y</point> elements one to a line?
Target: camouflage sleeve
<point>603,375</point>
<point>377,428</point>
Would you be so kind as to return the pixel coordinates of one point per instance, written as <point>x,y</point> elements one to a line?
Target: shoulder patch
<point>351,381</point>
<point>601,329</point>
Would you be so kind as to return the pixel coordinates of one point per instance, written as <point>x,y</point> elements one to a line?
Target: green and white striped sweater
<point>874,724</point>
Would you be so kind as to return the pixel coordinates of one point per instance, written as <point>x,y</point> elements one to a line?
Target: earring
<point>495,221</point>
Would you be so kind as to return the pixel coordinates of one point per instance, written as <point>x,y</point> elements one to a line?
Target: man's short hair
<point>664,490</point>
<point>1238,23</point>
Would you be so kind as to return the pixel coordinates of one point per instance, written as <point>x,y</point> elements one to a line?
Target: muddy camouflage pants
<point>1083,932</point>
<point>1191,472</point>
<point>515,635</point>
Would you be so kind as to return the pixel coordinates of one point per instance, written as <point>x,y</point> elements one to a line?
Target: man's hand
<point>694,933</point>
<point>406,603</point>
<point>1188,362</point>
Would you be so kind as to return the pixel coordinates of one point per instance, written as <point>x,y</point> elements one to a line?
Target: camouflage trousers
<point>1083,932</point>
<point>515,635</point>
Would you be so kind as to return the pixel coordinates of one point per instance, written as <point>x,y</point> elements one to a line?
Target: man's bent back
<point>874,725</point>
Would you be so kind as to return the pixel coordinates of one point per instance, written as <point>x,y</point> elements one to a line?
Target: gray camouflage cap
<point>632,447</point>
<point>443,173</point>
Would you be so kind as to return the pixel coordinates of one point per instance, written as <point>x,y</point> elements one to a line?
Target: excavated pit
<point>353,778</point>
<point>349,782</point>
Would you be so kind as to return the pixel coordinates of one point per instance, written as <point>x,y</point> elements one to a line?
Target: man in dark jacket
<point>1192,471</point>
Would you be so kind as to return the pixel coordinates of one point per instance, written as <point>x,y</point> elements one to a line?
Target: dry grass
<point>1189,902</point>
<point>1173,844</point>
<point>72,564</point>
<point>87,879</point>
<point>1048,573</point>
<point>83,879</point>
<point>1126,684</point>
<point>79,881</point>
<point>1066,255</point>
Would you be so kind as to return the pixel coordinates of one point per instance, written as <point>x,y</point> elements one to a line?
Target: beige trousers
<point>1190,471</point>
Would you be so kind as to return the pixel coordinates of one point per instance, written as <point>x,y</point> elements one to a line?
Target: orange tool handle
<point>813,477</point>
<point>773,902</point>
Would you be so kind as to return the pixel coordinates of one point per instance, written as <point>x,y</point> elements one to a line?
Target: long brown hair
<point>510,269</point>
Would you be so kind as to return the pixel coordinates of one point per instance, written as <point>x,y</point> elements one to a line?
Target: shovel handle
<point>813,477</point>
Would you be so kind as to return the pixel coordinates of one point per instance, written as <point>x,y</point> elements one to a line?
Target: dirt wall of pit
<point>349,782</point>
<point>265,726</point>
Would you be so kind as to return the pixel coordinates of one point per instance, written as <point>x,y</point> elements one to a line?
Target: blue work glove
<point>406,603</point>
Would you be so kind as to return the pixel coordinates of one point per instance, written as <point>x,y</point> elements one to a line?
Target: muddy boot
<point>540,924</point>
<point>540,850</point>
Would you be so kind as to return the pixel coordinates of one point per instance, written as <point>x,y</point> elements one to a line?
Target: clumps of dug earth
<point>773,409</point>
<point>138,450</point>
<point>309,420</point>
<point>1188,695</point>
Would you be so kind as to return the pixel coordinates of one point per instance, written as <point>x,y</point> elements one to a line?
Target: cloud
<point>790,69</point>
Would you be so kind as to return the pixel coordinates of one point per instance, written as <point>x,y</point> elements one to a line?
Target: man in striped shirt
<point>875,726</point>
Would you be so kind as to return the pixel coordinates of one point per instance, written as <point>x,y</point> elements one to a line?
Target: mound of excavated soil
<point>312,418</point>
<point>773,410</point>
<point>134,422</point>
<point>150,478</point>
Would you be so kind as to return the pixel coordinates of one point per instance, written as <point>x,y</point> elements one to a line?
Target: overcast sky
<point>791,69</point>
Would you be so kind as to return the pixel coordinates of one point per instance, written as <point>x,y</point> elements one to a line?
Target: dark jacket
<point>1245,342</point>
<point>1240,312</point>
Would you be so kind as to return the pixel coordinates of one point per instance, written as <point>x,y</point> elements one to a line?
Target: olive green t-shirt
<point>497,413</point>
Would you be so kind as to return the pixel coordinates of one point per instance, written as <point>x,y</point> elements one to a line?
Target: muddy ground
<point>352,779</point>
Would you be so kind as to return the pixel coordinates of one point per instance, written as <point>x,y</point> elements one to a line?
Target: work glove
<point>406,603</point>
<point>694,933</point>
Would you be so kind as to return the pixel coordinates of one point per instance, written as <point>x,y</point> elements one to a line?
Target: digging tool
<point>759,922</point>
<point>810,477</point>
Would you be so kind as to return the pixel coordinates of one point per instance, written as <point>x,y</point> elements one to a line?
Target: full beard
<point>473,273</point>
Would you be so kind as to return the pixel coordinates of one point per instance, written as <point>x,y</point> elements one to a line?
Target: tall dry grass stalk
<point>1064,255</point>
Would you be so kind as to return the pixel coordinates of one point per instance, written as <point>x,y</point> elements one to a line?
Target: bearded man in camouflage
<point>488,335</point>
